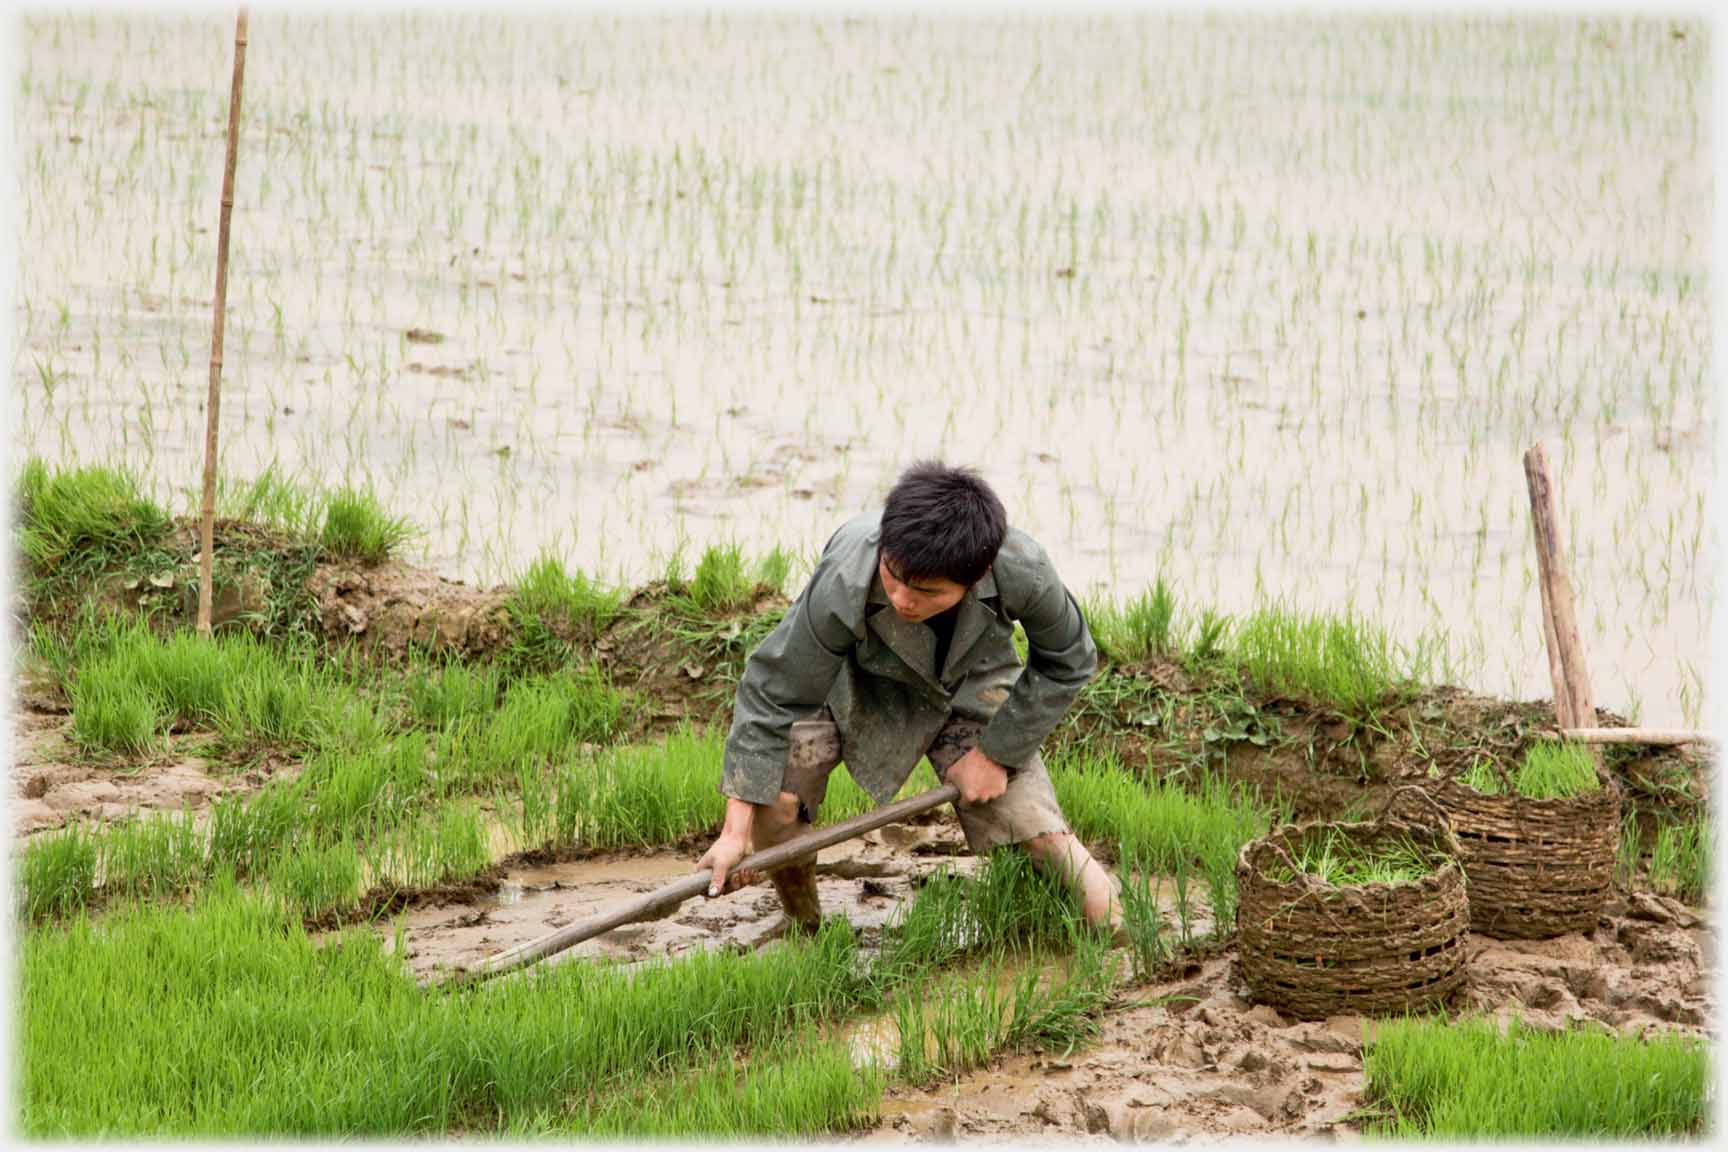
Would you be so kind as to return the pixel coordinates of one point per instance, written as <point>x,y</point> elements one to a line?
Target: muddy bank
<point>1195,1061</point>
<point>52,783</point>
<point>1188,1059</point>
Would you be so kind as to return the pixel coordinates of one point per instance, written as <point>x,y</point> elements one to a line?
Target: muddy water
<point>862,880</point>
<point>1269,304</point>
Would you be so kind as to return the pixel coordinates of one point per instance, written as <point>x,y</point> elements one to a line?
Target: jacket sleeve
<point>1060,657</point>
<point>787,677</point>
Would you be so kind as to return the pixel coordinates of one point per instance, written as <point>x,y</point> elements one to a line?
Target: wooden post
<point>207,521</point>
<point>1573,706</point>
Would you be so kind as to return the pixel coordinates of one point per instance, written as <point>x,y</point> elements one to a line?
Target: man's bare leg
<point>777,823</point>
<point>1061,854</point>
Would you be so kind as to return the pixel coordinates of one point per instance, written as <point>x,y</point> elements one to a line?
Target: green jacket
<point>842,644</point>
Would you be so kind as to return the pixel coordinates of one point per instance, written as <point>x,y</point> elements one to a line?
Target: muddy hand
<point>722,859</point>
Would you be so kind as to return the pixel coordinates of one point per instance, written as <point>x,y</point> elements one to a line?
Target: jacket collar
<point>915,643</point>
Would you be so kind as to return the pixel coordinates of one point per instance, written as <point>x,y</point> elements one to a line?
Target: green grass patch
<point>76,522</point>
<point>1549,770</point>
<point>1467,1081</point>
<point>356,526</point>
<point>1343,661</point>
<point>1680,859</point>
<point>550,592</point>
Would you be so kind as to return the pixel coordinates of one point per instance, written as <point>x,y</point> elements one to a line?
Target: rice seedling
<point>281,1036</point>
<point>1628,851</point>
<point>968,1019</point>
<point>454,692</point>
<point>269,498</point>
<point>1549,770</point>
<point>112,712</point>
<point>1680,859</point>
<point>1340,660</point>
<point>357,526</point>
<point>1140,629</point>
<point>152,857</point>
<point>1337,858</point>
<point>1468,1081</point>
<point>784,1089</point>
<point>317,878</point>
<point>1161,825</point>
<point>546,590</point>
<point>79,521</point>
<point>1149,948</point>
<point>57,875</point>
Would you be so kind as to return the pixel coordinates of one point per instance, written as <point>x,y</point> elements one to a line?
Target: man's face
<point>920,599</point>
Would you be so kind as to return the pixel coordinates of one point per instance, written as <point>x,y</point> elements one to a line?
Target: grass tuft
<point>356,526</point>
<point>1467,1081</point>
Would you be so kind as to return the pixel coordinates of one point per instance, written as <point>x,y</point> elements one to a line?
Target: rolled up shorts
<point>1028,809</point>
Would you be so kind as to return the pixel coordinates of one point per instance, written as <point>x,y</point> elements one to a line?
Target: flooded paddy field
<point>1266,306</point>
<point>620,318</point>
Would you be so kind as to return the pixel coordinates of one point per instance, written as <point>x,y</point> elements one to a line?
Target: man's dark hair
<point>942,523</point>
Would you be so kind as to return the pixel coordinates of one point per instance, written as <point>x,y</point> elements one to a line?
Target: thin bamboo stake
<point>1573,707</point>
<point>207,521</point>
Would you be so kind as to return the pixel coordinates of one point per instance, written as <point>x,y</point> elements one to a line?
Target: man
<point>903,641</point>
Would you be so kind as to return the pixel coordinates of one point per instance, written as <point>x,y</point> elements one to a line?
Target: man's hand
<point>723,857</point>
<point>978,777</point>
<point>732,846</point>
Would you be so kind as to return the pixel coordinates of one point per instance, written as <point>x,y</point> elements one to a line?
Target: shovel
<point>662,900</point>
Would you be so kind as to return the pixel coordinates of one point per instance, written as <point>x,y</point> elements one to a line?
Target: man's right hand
<point>722,858</point>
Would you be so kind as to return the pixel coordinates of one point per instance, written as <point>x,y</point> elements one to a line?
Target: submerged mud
<point>863,880</point>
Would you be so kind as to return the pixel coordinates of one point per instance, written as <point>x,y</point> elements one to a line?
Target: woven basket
<point>1537,868</point>
<point>1314,949</point>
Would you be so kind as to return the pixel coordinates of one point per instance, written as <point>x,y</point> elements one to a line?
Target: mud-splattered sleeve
<point>787,677</point>
<point>1060,657</point>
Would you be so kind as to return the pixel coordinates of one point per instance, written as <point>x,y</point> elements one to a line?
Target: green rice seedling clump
<point>58,872</point>
<point>1345,661</point>
<point>550,592</point>
<point>357,526</point>
<point>1161,825</point>
<point>1680,858</point>
<point>1550,770</point>
<point>77,521</point>
<point>1467,1081</point>
<point>1340,859</point>
<point>787,1089</point>
<point>275,1034</point>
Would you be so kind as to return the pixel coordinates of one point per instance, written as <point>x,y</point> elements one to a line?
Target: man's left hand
<point>978,777</point>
